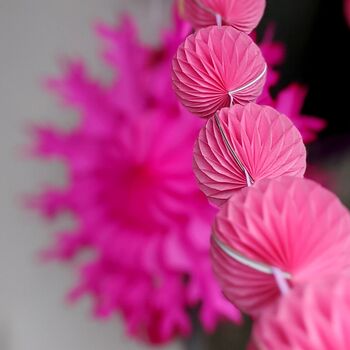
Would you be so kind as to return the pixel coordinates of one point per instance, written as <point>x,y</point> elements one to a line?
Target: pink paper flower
<point>131,189</point>
<point>347,10</point>
<point>274,54</point>
<point>290,100</point>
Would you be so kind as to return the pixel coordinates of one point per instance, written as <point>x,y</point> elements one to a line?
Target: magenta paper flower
<point>347,10</point>
<point>290,100</point>
<point>138,209</point>
<point>274,54</point>
<point>132,191</point>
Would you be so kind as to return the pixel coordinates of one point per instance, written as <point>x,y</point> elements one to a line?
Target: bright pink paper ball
<point>216,65</point>
<point>292,224</point>
<point>244,15</point>
<point>265,141</point>
<point>312,317</point>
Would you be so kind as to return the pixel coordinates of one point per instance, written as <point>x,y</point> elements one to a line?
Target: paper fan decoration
<point>315,316</point>
<point>246,140</point>
<point>290,224</point>
<point>244,15</point>
<point>215,67</point>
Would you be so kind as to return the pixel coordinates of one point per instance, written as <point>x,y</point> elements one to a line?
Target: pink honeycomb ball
<point>292,224</point>
<point>314,316</point>
<point>243,15</point>
<point>216,67</point>
<point>266,143</point>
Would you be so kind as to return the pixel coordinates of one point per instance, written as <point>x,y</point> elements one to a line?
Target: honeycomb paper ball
<point>315,316</point>
<point>244,15</point>
<point>215,67</point>
<point>265,142</point>
<point>292,224</point>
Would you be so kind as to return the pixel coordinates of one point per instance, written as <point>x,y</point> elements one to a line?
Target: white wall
<point>32,34</point>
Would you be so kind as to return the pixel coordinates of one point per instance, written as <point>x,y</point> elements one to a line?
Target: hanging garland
<point>276,235</point>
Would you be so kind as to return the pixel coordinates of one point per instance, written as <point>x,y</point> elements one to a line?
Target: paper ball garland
<point>273,232</point>
<point>314,316</point>
<point>215,67</point>
<point>244,15</point>
<point>289,223</point>
<point>266,143</point>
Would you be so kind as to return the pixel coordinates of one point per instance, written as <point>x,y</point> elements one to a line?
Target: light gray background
<point>33,33</point>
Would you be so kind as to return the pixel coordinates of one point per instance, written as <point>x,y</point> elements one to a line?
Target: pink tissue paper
<point>290,223</point>
<point>265,141</point>
<point>215,67</point>
<point>315,316</point>
<point>244,15</point>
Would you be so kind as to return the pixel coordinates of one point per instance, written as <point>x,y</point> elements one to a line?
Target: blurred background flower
<point>131,189</point>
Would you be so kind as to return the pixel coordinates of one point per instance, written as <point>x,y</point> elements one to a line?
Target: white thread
<point>280,276</point>
<point>258,266</point>
<point>218,19</point>
<point>231,99</point>
<point>248,179</point>
<point>232,92</point>
<point>280,280</point>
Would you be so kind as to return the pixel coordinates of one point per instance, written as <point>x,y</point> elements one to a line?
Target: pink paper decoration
<point>244,15</point>
<point>263,141</point>
<point>315,316</point>
<point>215,67</point>
<point>139,212</point>
<point>292,224</point>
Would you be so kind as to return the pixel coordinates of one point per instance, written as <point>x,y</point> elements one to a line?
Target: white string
<point>218,19</point>
<point>231,99</point>
<point>249,179</point>
<point>280,276</point>
<point>258,266</point>
<point>280,280</point>
<point>232,92</point>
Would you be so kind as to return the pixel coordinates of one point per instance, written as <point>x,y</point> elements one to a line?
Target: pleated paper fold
<point>292,224</point>
<point>216,66</point>
<point>314,316</point>
<point>244,15</point>
<point>265,142</point>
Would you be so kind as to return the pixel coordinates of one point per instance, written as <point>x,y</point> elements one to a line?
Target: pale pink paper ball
<point>289,223</point>
<point>244,15</point>
<point>311,317</point>
<point>217,66</point>
<point>265,141</point>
